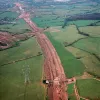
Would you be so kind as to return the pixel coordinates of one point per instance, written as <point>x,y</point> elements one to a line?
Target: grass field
<point>81,23</point>
<point>48,20</point>
<point>98,24</point>
<point>72,66</point>
<point>26,49</point>
<point>12,81</point>
<point>91,45</point>
<point>18,28</point>
<point>12,76</point>
<point>91,30</point>
<point>9,14</point>
<point>71,94</point>
<point>72,98</point>
<point>70,89</point>
<point>89,88</point>
<point>69,34</point>
<point>91,62</point>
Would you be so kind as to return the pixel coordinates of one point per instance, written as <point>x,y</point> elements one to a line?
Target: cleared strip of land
<point>52,66</point>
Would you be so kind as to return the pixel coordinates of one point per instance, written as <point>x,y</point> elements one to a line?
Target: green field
<point>72,98</point>
<point>91,62</point>
<point>9,14</point>
<point>93,31</point>
<point>19,27</point>
<point>69,34</point>
<point>70,89</point>
<point>48,21</point>
<point>91,45</point>
<point>89,88</point>
<point>71,94</point>
<point>81,23</point>
<point>98,24</point>
<point>26,49</point>
<point>12,80</point>
<point>12,76</point>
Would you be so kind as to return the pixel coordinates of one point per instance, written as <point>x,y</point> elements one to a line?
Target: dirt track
<point>52,65</point>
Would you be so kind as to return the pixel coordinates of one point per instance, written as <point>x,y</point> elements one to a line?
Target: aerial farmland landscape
<point>49,49</point>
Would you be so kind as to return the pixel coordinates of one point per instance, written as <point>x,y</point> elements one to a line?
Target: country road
<point>53,68</point>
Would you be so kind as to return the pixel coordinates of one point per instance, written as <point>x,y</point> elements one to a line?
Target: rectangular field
<point>26,49</point>
<point>22,80</point>
<point>17,26</point>
<point>69,34</point>
<point>12,80</point>
<point>89,88</point>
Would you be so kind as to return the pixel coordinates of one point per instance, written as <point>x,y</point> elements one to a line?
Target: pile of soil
<point>8,40</point>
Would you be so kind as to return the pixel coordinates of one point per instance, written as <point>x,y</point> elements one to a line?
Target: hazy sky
<point>62,0</point>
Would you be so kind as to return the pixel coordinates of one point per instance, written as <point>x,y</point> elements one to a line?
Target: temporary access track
<point>53,68</point>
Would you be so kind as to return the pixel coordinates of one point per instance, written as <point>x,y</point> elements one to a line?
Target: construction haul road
<point>53,68</point>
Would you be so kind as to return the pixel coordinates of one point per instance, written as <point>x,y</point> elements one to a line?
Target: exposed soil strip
<point>52,65</point>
